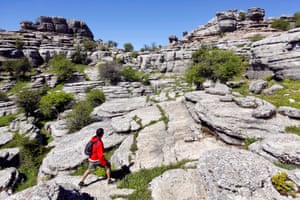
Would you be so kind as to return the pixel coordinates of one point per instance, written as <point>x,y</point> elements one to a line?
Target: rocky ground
<point>208,128</point>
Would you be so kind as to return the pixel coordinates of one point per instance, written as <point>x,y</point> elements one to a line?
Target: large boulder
<point>256,14</point>
<point>51,190</point>
<point>177,184</point>
<point>278,54</point>
<point>234,121</point>
<point>227,21</point>
<point>68,152</point>
<point>282,148</point>
<point>237,174</point>
<point>9,177</point>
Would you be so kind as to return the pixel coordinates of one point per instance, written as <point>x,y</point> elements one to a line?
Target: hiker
<point>97,159</point>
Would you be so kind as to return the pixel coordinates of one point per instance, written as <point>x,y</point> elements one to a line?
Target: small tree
<point>111,71</point>
<point>130,74</point>
<point>89,45</point>
<point>281,24</point>
<point>128,47</point>
<point>28,100</point>
<point>297,18</point>
<point>79,116</point>
<point>214,64</point>
<point>95,97</point>
<point>53,103</point>
<point>62,67</point>
<point>18,67</point>
<point>111,43</point>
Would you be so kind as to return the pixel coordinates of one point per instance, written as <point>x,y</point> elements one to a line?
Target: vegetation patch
<point>249,141</point>
<point>31,157</point>
<point>214,64</point>
<point>293,129</point>
<point>163,117</point>
<point>5,120</point>
<point>288,96</point>
<point>257,37</point>
<point>283,184</point>
<point>139,181</point>
<point>286,166</point>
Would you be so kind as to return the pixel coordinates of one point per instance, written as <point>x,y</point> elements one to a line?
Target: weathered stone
<point>8,108</point>
<point>271,53</point>
<point>237,174</point>
<point>289,111</point>
<point>8,178</point>
<point>257,86</point>
<point>264,110</point>
<point>231,122</point>
<point>65,158</point>
<point>227,21</point>
<point>123,154</point>
<point>51,190</point>
<point>5,135</point>
<point>218,89</point>
<point>121,106</point>
<point>256,14</point>
<point>158,144</point>
<point>177,184</point>
<point>282,148</point>
<point>246,102</point>
<point>9,157</point>
<point>272,89</point>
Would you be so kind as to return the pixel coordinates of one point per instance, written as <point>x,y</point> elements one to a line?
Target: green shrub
<point>249,141</point>
<point>3,96</point>
<point>30,158</point>
<point>257,37</point>
<point>242,16</point>
<point>5,120</point>
<point>79,116</point>
<point>62,67</point>
<point>17,68</point>
<point>111,71</point>
<point>293,129</point>
<point>214,64</point>
<point>281,24</point>
<point>134,54</point>
<point>95,97</point>
<point>130,74</point>
<point>139,180</point>
<point>28,100</point>
<point>286,166</point>
<point>297,19</point>
<point>53,103</point>
<point>19,44</point>
<point>88,45</point>
<point>283,185</point>
<point>128,47</point>
<point>79,57</point>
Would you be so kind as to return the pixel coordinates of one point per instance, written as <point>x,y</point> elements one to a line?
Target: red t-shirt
<point>98,151</point>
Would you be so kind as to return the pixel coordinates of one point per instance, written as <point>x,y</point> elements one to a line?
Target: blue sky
<point>138,22</point>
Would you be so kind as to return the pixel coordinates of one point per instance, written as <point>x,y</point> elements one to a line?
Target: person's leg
<point>108,172</point>
<point>86,173</point>
<point>92,166</point>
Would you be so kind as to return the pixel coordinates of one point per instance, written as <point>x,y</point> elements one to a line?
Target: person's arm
<point>101,156</point>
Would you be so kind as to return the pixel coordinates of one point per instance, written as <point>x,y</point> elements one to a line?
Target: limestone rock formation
<point>226,178</point>
<point>59,25</point>
<point>278,54</point>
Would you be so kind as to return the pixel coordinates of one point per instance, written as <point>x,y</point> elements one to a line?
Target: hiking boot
<point>110,181</point>
<point>81,184</point>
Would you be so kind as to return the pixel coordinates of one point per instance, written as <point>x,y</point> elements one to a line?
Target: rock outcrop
<point>279,55</point>
<point>58,25</point>
<point>226,178</point>
<point>40,41</point>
